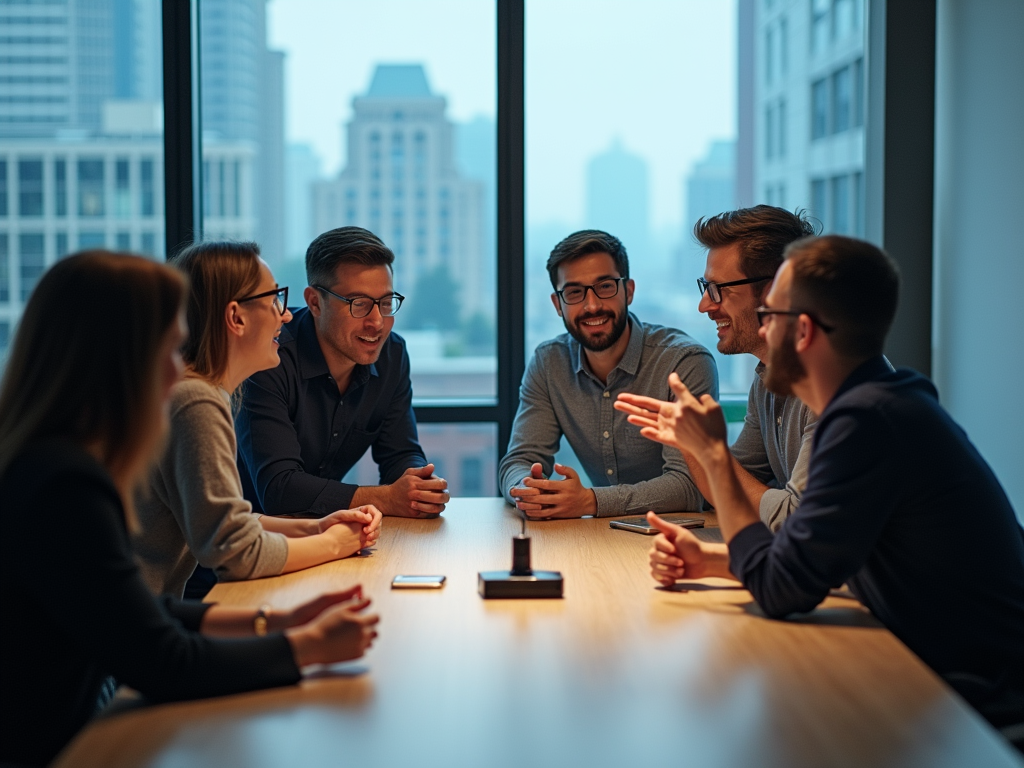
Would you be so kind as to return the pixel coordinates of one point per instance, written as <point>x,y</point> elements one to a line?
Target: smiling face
<point>355,339</point>
<point>734,314</point>
<point>259,345</point>
<point>597,324</point>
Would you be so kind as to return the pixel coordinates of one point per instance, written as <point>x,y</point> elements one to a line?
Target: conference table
<point>619,672</point>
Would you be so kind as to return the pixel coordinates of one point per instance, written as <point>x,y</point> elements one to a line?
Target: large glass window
<point>394,131</point>
<point>77,109</point>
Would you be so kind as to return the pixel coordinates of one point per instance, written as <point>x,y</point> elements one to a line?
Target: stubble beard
<point>619,321</point>
<point>784,367</point>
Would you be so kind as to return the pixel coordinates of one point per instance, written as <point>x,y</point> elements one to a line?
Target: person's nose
<point>375,319</point>
<point>287,316</point>
<point>591,302</point>
<point>706,304</point>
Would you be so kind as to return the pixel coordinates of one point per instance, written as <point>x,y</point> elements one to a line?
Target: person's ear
<point>234,319</point>
<point>557,302</point>
<point>312,297</point>
<point>630,287</point>
<point>806,331</point>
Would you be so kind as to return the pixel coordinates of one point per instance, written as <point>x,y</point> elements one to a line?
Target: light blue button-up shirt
<point>561,396</point>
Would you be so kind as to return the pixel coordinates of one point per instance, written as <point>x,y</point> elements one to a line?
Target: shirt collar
<point>630,362</point>
<point>871,369</point>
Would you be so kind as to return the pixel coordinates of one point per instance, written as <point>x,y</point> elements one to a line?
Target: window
<point>60,187</point>
<point>769,55</point>
<point>90,188</point>
<point>122,190</point>
<point>819,109</point>
<point>858,93</point>
<point>819,202</point>
<point>5,268</point>
<point>840,205</point>
<point>3,187</point>
<point>782,127</point>
<point>31,255</point>
<point>770,129</point>
<point>123,241</point>
<point>91,239</point>
<point>147,198</point>
<point>30,188</point>
<point>821,25</point>
<point>841,100</point>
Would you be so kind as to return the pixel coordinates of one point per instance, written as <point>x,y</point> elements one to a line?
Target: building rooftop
<point>399,81</point>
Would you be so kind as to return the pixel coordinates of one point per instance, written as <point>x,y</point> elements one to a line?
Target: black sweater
<point>77,610</point>
<point>901,506</point>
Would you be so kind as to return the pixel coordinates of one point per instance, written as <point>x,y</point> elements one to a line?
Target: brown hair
<point>97,383</point>
<point>763,232</point>
<point>220,272</point>
<point>585,242</point>
<point>344,245</point>
<point>849,284</point>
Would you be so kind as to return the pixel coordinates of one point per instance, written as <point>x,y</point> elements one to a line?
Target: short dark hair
<point>849,284</point>
<point>763,232</point>
<point>344,245</point>
<point>584,242</point>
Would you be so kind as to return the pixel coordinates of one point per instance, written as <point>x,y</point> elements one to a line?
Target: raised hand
<point>690,424</point>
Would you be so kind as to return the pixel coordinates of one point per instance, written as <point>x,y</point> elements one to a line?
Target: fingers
<point>430,485</point>
<point>671,531</point>
<point>520,493</point>
<point>679,389</point>
<point>527,507</point>
<point>426,509</point>
<point>429,497</point>
<point>537,471</point>
<point>626,400</point>
<point>567,472</point>
<point>424,472</point>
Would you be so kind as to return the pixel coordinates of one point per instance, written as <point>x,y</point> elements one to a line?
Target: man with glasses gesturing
<point>571,383</point>
<point>342,386</point>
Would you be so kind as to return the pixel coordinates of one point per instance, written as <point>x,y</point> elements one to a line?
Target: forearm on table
<point>315,550</point>
<point>293,528</point>
<point>716,558</point>
<point>221,621</point>
<point>295,492</point>
<point>670,492</point>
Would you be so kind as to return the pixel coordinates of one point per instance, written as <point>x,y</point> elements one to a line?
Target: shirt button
<point>607,393</point>
<point>607,435</point>
<point>335,434</point>
<point>609,471</point>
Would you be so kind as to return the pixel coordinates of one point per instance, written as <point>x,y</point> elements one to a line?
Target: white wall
<point>979,228</point>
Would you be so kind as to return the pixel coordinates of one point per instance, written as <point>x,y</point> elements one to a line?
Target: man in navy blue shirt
<point>891,483</point>
<point>342,387</point>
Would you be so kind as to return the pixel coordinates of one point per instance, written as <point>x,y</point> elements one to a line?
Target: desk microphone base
<point>504,584</point>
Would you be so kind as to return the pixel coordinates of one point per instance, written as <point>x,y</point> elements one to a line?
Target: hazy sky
<point>659,74</point>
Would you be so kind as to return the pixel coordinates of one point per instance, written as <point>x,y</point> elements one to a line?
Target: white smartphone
<point>417,582</point>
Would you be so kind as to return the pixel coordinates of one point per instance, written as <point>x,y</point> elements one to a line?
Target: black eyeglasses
<point>280,298</point>
<point>764,312</point>
<point>712,289</point>
<point>361,306</point>
<point>605,289</point>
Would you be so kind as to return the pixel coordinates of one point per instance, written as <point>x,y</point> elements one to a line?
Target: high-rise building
<point>402,183</point>
<point>808,108</point>
<point>302,170</point>
<point>618,198</point>
<point>242,90</point>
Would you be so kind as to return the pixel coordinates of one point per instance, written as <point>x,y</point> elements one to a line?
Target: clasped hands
<point>363,522</point>
<point>543,499</point>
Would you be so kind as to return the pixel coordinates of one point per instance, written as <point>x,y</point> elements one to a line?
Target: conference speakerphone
<point>522,581</point>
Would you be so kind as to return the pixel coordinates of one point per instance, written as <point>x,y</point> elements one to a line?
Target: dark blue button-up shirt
<point>900,506</point>
<point>298,436</point>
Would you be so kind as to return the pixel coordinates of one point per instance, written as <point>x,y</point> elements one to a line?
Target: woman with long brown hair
<point>83,407</point>
<point>194,510</point>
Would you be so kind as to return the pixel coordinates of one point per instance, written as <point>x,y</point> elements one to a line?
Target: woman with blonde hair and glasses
<point>194,510</point>
<point>82,414</point>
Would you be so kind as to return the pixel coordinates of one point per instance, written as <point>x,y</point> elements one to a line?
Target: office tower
<point>711,185</point>
<point>402,183</point>
<point>808,108</point>
<point>617,198</point>
<point>242,88</point>
<point>302,170</point>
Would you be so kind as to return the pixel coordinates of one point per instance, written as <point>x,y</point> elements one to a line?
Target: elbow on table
<point>783,606</point>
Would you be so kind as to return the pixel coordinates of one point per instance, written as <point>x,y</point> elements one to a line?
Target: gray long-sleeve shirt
<point>194,509</point>
<point>775,446</point>
<point>560,396</point>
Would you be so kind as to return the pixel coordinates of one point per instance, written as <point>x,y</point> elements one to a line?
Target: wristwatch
<point>259,624</point>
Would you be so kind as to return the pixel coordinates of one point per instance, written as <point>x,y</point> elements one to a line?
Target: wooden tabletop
<point>618,673</point>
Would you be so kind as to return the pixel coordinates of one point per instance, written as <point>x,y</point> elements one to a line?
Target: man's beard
<point>784,367</point>
<point>600,344</point>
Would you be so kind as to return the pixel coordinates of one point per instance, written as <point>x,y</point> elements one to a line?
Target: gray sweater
<point>194,510</point>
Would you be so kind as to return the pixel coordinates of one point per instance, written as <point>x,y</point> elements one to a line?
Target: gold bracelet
<point>259,624</point>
